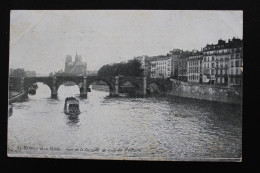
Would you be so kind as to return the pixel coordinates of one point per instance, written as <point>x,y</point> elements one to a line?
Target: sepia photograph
<point>146,85</point>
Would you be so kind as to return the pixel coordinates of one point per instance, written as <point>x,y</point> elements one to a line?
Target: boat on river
<point>35,86</point>
<point>71,106</point>
<point>32,91</point>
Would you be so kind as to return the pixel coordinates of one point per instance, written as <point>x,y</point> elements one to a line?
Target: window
<point>231,71</point>
<point>218,79</point>
<point>237,63</point>
<point>223,71</point>
<point>232,63</point>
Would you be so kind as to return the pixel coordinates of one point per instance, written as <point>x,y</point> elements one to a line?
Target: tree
<point>131,68</point>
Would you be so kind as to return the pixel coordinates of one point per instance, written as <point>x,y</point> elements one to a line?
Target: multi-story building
<point>75,68</point>
<point>235,71</point>
<point>175,55</point>
<point>208,64</point>
<point>182,66</point>
<point>194,67</point>
<point>222,62</point>
<point>161,66</point>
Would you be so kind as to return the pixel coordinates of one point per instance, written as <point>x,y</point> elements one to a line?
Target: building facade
<point>161,67</point>
<point>194,68</point>
<point>235,71</point>
<point>218,64</point>
<point>77,67</point>
<point>223,62</point>
<point>175,55</point>
<point>208,64</point>
<point>183,66</point>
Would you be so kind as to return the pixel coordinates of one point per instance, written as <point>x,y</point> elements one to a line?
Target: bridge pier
<point>54,92</point>
<point>84,93</point>
<point>115,93</point>
<point>22,84</point>
<point>144,86</point>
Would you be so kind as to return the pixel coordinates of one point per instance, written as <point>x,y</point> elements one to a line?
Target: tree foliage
<point>131,68</point>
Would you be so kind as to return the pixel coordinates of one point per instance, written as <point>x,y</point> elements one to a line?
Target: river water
<point>124,128</point>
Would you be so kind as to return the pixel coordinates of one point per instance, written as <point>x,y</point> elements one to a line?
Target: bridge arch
<point>78,80</point>
<point>29,82</point>
<point>135,83</point>
<point>110,83</point>
<point>62,82</point>
<point>156,86</point>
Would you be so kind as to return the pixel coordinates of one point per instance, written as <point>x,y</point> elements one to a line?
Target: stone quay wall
<point>207,92</point>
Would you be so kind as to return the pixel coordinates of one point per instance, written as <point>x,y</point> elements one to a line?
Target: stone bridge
<point>141,84</point>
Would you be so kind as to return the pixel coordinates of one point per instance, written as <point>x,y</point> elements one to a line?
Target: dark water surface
<point>124,128</point>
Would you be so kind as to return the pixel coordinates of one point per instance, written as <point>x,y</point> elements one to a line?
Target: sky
<point>41,39</point>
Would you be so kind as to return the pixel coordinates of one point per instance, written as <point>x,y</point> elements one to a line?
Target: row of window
<point>223,72</point>
<point>237,63</point>
<point>222,58</point>
<point>235,71</point>
<point>194,70</point>
<point>222,51</point>
<point>220,80</point>
<point>193,77</point>
<point>235,81</point>
<point>190,63</point>
<point>161,62</point>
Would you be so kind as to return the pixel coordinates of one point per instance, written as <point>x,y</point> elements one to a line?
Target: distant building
<point>77,67</point>
<point>92,72</point>
<point>29,73</point>
<point>11,71</point>
<point>18,72</point>
<point>220,64</point>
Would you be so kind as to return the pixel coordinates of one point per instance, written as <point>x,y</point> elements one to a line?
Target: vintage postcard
<point>162,85</point>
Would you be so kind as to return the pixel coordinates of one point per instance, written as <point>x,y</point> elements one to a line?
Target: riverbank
<point>207,92</point>
<point>14,96</point>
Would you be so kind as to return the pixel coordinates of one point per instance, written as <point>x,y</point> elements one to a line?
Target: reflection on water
<point>129,128</point>
<point>72,120</point>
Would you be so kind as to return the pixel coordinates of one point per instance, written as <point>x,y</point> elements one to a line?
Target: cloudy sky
<point>40,40</point>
